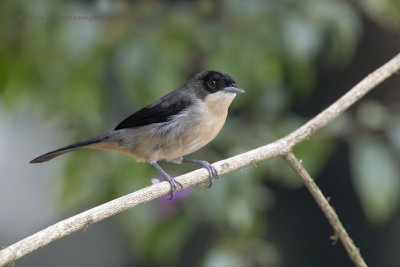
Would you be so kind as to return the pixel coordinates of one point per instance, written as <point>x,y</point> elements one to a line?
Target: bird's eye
<point>212,83</point>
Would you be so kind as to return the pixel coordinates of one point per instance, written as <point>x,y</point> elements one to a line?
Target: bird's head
<point>214,82</point>
<point>214,86</point>
<point>216,89</point>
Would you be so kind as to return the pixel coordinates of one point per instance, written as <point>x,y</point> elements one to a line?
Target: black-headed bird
<point>178,124</point>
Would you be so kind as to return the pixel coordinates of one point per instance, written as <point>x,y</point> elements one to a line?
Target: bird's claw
<point>167,177</point>
<point>174,186</point>
<point>211,170</point>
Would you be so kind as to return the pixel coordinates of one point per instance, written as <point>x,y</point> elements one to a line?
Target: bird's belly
<point>172,144</point>
<point>195,137</point>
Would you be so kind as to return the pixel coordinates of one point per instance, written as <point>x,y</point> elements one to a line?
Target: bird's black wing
<point>160,111</point>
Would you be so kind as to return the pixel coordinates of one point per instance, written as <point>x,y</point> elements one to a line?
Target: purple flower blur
<point>166,208</point>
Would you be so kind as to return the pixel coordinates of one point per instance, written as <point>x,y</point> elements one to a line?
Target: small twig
<point>329,212</point>
<point>279,148</point>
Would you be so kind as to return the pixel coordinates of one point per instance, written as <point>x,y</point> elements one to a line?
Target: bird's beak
<point>234,88</point>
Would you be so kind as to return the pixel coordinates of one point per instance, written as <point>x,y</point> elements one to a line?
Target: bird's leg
<point>170,180</point>
<point>211,170</point>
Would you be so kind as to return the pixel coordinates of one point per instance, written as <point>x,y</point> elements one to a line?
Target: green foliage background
<point>79,77</point>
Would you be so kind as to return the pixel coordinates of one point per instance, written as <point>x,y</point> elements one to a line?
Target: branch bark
<point>329,212</point>
<point>280,148</point>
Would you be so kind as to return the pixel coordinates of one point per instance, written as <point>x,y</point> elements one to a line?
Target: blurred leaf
<point>223,258</point>
<point>386,12</point>
<point>376,178</point>
<point>394,131</point>
<point>372,114</point>
<point>300,38</point>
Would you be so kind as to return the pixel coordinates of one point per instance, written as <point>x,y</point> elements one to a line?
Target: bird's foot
<point>174,183</point>
<point>210,168</point>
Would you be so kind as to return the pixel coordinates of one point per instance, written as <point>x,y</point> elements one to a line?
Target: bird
<point>174,126</point>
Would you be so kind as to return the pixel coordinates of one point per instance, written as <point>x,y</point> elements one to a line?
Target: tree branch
<point>329,212</point>
<point>279,148</point>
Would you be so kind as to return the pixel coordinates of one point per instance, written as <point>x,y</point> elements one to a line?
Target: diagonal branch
<point>329,212</point>
<point>279,148</point>
<point>343,103</point>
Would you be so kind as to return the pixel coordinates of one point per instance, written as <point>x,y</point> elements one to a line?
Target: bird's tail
<point>52,154</point>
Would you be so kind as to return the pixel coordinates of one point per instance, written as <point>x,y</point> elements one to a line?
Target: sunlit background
<point>70,70</point>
